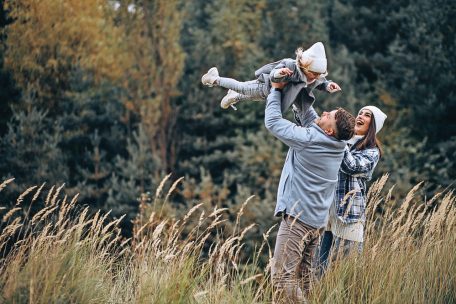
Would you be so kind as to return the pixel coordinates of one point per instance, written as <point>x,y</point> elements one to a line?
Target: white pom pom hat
<point>314,58</point>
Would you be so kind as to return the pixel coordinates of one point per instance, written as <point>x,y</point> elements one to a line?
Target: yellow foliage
<point>238,24</point>
<point>51,38</point>
<point>152,35</point>
<point>50,41</point>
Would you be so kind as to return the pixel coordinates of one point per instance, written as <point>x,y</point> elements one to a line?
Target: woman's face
<point>362,122</point>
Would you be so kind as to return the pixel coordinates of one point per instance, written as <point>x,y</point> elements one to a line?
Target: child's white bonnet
<point>317,56</point>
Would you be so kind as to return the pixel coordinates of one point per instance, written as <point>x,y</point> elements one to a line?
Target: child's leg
<point>254,89</point>
<point>233,97</point>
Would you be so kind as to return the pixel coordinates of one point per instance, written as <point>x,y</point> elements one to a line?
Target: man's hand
<point>278,85</point>
<point>333,87</point>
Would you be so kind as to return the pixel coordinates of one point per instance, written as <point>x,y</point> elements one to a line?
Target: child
<point>304,74</point>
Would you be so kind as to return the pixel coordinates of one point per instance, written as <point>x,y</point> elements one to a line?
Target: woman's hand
<point>333,87</point>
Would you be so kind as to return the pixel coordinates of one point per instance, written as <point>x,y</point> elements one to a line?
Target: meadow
<point>66,253</point>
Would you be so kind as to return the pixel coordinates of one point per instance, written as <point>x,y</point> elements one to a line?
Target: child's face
<point>311,76</point>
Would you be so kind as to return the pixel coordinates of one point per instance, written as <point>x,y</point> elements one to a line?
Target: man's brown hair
<point>345,124</point>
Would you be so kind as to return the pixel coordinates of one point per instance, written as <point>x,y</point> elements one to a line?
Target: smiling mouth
<point>359,122</point>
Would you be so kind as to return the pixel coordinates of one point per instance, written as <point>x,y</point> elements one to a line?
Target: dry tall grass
<point>64,254</point>
<point>409,253</point>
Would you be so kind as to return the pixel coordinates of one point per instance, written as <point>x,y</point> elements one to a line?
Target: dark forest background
<point>105,96</point>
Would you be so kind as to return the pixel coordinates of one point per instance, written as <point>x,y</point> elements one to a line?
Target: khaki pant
<point>293,255</point>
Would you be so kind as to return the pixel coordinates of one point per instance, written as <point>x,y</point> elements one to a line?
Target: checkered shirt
<point>356,169</point>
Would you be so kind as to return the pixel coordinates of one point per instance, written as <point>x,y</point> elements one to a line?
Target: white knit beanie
<point>317,57</point>
<point>379,117</point>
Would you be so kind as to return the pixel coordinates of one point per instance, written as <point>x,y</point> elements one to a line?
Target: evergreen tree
<point>400,50</point>
<point>290,24</point>
<point>94,134</point>
<point>421,63</point>
<point>30,149</point>
<point>8,93</point>
<point>132,175</point>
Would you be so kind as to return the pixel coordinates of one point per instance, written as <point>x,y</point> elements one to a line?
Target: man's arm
<point>305,118</point>
<point>288,132</point>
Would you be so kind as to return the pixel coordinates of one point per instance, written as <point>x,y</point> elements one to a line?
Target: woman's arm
<point>359,163</point>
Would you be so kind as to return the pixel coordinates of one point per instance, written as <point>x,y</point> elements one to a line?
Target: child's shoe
<point>210,77</point>
<point>230,99</point>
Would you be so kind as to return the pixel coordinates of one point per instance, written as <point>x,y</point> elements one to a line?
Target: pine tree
<point>400,50</point>
<point>421,61</point>
<point>95,133</point>
<point>290,24</point>
<point>8,93</point>
<point>132,175</point>
<point>30,149</point>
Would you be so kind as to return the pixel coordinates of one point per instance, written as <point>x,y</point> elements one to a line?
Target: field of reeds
<point>66,253</point>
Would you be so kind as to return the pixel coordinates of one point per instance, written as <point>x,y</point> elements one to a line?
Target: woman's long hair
<point>370,140</point>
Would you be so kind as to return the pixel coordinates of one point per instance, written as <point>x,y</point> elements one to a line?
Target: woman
<point>345,230</point>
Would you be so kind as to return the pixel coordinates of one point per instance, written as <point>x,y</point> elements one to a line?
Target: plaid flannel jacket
<point>356,169</point>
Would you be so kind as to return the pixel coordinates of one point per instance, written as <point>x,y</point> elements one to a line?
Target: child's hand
<point>333,87</point>
<point>283,72</point>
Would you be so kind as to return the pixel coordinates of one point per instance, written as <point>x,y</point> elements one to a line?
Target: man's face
<point>327,122</point>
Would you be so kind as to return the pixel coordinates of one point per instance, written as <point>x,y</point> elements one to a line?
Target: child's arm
<point>329,86</point>
<point>283,71</point>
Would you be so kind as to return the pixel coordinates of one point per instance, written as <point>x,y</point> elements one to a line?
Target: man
<point>306,188</point>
